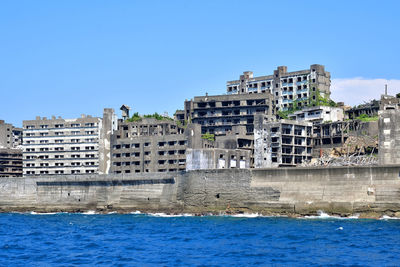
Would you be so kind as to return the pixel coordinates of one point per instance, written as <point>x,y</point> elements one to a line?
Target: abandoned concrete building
<point>10,150</point>
<point>388,102</point>
<point>318,114</point>
<point>10,136</point>
<point>288,88</point>
<point>217,114</point>
<point>10,162</point>
<point>283,143</point>
<point>152,145</point>
<point>370,109</point>
<point>64,146</point>
<point>345,135</point>
<point>217,158</point>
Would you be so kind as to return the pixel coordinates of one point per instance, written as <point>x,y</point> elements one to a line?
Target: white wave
<point>169,215</point>
<point>340,228</point>
<point>42,213</point>
<point>89,212</point>
<point>385,217</point>
<point>324,215</point>
<point>135,212</point>
<point>112,212</point>
<point>321,215</point>
<point>246,215</point>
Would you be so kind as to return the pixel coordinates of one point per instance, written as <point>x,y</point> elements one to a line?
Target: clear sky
<point>67,58</point>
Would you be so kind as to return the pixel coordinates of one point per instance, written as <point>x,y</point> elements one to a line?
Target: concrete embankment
<point>370,191</point>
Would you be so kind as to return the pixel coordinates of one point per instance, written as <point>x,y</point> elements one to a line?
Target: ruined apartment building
<point>10,136</point>
<point>10,162</point>
<point>283,143</point>
<point>335,134</point>
<point>217,114</point>
<point>66,146</point>
<point>151,145</point>
<point>318,114</point>
<point>288,88</point>
<point>10,150</point>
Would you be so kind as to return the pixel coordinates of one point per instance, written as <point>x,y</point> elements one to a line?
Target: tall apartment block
<point>66,146</point>
<point>217,114</point>
<point>283,143</point>
<point>151,145</point>
<point>289,89</point>
<point>10,151</point>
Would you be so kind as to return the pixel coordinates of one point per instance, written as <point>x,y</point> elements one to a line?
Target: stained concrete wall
<point>341,190</point>
<point>389,137</point>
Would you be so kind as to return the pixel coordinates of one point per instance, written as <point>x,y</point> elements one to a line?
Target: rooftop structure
<point>289,89</point>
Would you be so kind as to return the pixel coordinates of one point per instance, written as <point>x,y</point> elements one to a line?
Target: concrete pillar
<point>109,124</point>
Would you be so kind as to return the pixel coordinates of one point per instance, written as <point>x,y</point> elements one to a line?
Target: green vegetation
<point>365,117</point>
<point>208,136</point>
<point>318,101</point>
<point>184,125</point>
<point>137,117</point>
<point>158,117</point>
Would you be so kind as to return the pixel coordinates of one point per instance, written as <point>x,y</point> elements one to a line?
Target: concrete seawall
<point>372,191</point>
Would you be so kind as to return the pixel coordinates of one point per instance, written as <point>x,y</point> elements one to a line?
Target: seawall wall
<point>338,190</point>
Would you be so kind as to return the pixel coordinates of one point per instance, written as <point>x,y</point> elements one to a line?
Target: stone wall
<point>337,190</point>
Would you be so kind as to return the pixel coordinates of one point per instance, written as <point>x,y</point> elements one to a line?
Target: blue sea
<point>65,239</point>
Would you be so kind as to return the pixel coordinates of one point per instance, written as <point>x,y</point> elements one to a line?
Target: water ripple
<point>64,239</point>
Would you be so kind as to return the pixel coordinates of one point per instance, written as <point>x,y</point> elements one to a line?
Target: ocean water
<point>90,239</point>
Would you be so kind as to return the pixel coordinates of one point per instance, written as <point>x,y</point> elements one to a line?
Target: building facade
<point>151,145</point>
<point>283,143</point>
<point>289,89</point>
<point>10,162</point>
<point>10,150</point>
<point>217,158</point>
<point>63,146</point>
<point>217,114</point>
<point>318,114</point>
<point>389,136</point>
<point>10,136</point>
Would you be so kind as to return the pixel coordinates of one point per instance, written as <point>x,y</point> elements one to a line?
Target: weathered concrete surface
<point>371,191</point>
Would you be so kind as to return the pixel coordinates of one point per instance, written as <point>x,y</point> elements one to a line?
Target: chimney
<point>385,89</point>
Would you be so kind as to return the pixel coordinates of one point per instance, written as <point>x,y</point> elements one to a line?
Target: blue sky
<point>66,58</point>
